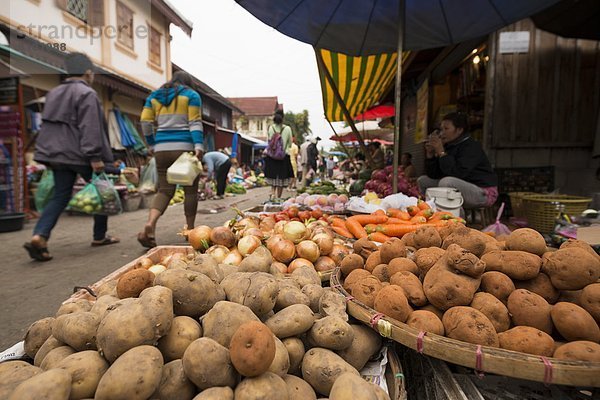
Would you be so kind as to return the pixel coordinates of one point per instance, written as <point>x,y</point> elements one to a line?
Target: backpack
<point>275,146</point>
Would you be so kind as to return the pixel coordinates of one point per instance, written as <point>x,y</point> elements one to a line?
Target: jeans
<point>473,195</point>
<point>64,179</point>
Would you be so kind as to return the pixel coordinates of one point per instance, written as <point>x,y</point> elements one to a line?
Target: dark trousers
<point>221,177</point>
<point>64,179</point>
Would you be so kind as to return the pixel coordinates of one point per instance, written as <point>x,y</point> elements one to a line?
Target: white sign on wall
<point>514,42</point>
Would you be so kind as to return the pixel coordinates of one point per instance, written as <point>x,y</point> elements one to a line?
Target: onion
<point>309,250</point>
<point>223,236</point>
<point>338,253</point>
<point>278,228</point>
<point>218,252</point>
<point>247,245</point>
<point>267,224</point>
<point>157,269</point>
<point>254,232</point>
<point>145,263</point>
<point>284,251</point>
<point>325,243</point>
<point>299,262</point>
<point>233,258</point>
<point>295,231</point>
<point>246,223</point>
<point>199,237</point>
<point>272,241</point>
<point>324,263</point>
<point>281,267</point>
<point>317,224</point>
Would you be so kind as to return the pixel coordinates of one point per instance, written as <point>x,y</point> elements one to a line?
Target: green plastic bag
<point>86,201</point>
<point>111,203</point>
<point>45,190</point>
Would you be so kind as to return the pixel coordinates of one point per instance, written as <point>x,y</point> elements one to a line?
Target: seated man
<point>454,159</point>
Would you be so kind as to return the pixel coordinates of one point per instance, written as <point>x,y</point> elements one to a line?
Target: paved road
<point>31,290</point>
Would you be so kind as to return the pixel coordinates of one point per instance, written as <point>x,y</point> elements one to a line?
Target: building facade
<point>257,115</point>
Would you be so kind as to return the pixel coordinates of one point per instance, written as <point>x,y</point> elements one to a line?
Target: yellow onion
<point>281,267</point>
<point>325,243</point>
<point>299,262</point>
<point>284,251</point>
<point>247,245</point>
<point>317,224</point>
<point>246,223</point>
<point>267,224</point>
<point>295,231</point>
<point>157,269</point>
<point>308,249</point>
<point>254,232</point>
<point>233,258</point>
<point>218,252</point>
<point>223,236</point>
<point>324,263</point>
<point>145,263</point>
<point>199,237</point>
<point>272,241</point>
<point>278,228</point>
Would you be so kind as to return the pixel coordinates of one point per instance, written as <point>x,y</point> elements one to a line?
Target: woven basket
<point>542,209</point>
<point>516,203</point>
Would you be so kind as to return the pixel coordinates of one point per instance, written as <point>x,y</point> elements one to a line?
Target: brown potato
<point>516,264</point>
<point>291,321</point>
<point>281,363</point>
<point>295,350</point>
<point>530,309</point>
<point>393,248</point>
<point>449,228</point>
<point>579,351</point>
<point>492,308</point>
<point>349,386</point>
<point>431,308</point>
<point>215,393</point>
<point>252,348</point>
<point>288,296</point>
<point>314,293</point>
<point>267,386</point>
<point>580,244</point>
<point>299,389</point>
<point>392,302</point>
<point>86,368</point>
<point>469,325</point>
<point>574,323</point>
<point>51,385</point>
<point>206,363</point>
<point>350,263</point>
<point>427,236</point>
<point>354,277</point>
<point>366,289</point>
<point>224,319</point>
<point>364,247</point>
<point>426,321</point>
<point>132,283</point>
<point>55,356</point>
<point>464,261</point>
<point>498,285</point>
<point>174,385</point>
<point>332,303</point>
<point>365,344</point>
<point>184,330</point>
<point>332,333</point>
<point>526,239</point>
<point>373,260</point>
<point>322,367</point>
<point>571,296</point>
<point>590,300</point>
<point>36,335</point>
<point>403,264</point>
<point>426,258</point>
<point>50,344</point>
<point>541,285</point>
<point>527,340</point>
<point>571,268</point>
<point>79,305</point>
<point>412,287</point>
<point>13,373</point>
<point>77,330</point>
<point>256,290</point>
<point>408,239</point>
<point>467,238</point>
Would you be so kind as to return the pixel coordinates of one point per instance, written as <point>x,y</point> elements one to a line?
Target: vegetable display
<point>322,187</point>
<point>381,181</point>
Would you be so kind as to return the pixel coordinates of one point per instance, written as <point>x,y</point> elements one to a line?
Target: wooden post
<point>398,94</point>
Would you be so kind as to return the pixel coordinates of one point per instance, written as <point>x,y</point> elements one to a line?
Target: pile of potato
<point>511,293</point>
<point>199,330</point>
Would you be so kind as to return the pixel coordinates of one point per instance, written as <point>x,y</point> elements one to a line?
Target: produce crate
<point>131,202</point>
<point>485,359</point>
<point>516,203</point>
<point>542,209</point>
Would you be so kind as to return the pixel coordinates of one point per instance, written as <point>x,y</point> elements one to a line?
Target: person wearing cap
<point>73,140</point>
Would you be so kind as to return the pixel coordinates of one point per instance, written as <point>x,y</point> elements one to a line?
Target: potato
<point>314,293</point>
<point>184,330</point>
<point>207,265</point>
<point>579,351</point>
<point>107,289</point>
<point>259,261</point>
<point>306,275</point>
<point>13,373</point>
<point>464,261</point>
<point>431,308</point>
<point>136,374</point>
<point>49,385</point>
<point>498,285</point>
<point>136,322</point>
<point>298,389</point>
<point>133,282</point>
<point>322,367</point>
<point>332,303</point>
<point>392,302</point>
<point>256,290</point>
<point>541,285</point>
<point>194,294</point>
<point>366,289</point>
<point>36,335</point>
<point>492,308</point>
<point>281,363</point>
<point>526,239</point>
<point>449,228</point>
<point>224,319</point>
<point>79,305</point>
<point>331,333</point>
<point>288,296</point>
<point>86,368</point>
<point>408,240</point>
<point>571,268</point>
<point>174,385</point>
<point>426,258</point>
<point>55,356</point>
<point>412,287</point>
<point>426,321</point>
<point>215,393</point>
<point>427,236</point>
<point>574,323</point>
<point>252,348</point>
<point>365,344</point>
<point>403,264</point>
<point>291,321</point>
<point>530,309</point>
<point>77,330</point>
<point>590,300</point>
<point>516,264</point>
<point>102,304</point>
<point>50,344</point>
<point>580,244</point>
<point>469,325</point>
<point>354,277</point>
<point>364,247</point>
<point>393,248</point>
<point>469,239</point>
<point>295,350</point>
<point>350,263</point>
<point>373,260</point>
<point>351,387</point>
<point>267,386</point>
<point>571,296</point>
<point>206,363</point>
<point>527,340</point>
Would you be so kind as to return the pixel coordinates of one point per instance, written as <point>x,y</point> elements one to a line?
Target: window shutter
<point>95,12</point>
<point>62,4</point>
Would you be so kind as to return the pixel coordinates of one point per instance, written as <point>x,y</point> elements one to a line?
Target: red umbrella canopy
<point>381,111</point>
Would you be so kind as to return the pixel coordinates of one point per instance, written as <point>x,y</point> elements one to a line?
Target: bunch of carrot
<point>380,225</point>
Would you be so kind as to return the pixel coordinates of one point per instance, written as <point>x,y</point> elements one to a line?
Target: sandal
<point>106,241</point>
<point>146,241</point>
<point>37,253</point>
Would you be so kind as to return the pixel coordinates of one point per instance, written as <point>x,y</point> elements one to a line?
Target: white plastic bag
<point>184,170</point>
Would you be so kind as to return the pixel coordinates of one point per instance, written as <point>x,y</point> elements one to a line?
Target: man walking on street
<point>304,161</point>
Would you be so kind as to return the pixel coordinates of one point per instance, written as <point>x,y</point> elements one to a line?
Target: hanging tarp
<point>114,132</point>
<point>361,81</point>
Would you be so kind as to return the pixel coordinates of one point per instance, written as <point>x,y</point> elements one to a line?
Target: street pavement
<point>32,290</point>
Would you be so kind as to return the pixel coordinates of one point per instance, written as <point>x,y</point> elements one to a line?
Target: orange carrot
<point>343,232</point>
<point>423,205</point>
<point>393,221</point>
<point>355,228</point>
<point>425,212</point>
<point>340,223</point>
<point>441,215</point>
<point>371,228</point>
<point>412,210</point>
<point>418,219</point>
<point>379,212</point>
<point>369,219</point>
<point>398,230</point>
<point>393,212</point>
<point>378,237</point>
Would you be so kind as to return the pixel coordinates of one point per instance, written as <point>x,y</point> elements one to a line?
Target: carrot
<point>403,215</point>
<point>343,232</point>
<point>378,212</point>
<point>393,212</point>
<point>378,237</point>
<point>369,219</point>
<point>398,230</point>
<point>423,205</point>
<point>418,219</point>
<point>441,216</point>
<point>355,228</point>
<point>340,223</point>
<point>393,221</point>
<point>371,227</point>
<point>425,212</point>
<point>412,210</point>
